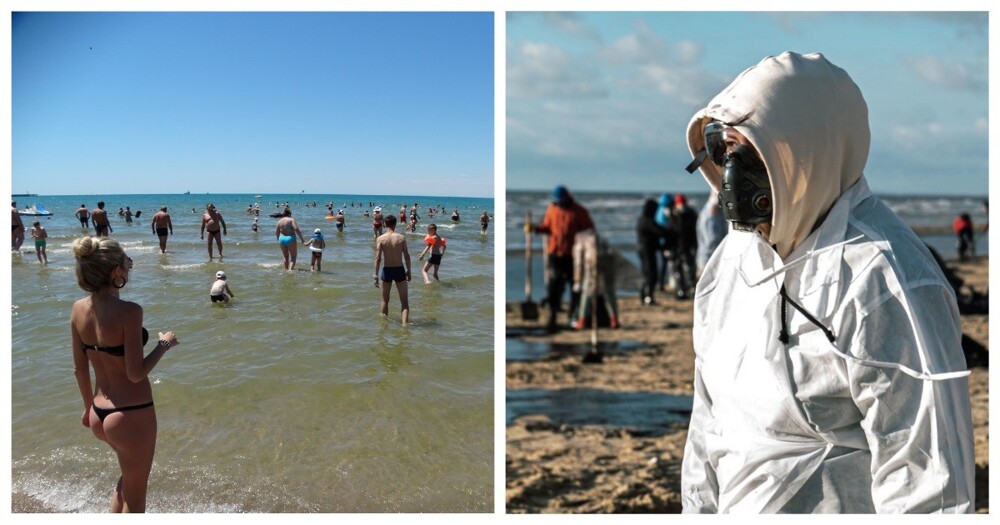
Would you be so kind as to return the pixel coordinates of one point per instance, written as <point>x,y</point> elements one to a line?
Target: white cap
<point>220,274</point>
<point>317,231</point>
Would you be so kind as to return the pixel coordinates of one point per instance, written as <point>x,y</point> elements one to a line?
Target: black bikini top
<point>116,350</point>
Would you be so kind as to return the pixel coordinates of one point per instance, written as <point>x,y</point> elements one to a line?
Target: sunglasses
<point>128,262</point>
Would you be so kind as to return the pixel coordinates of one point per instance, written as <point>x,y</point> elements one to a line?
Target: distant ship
<point>24,195</point>
<point>187,193</point>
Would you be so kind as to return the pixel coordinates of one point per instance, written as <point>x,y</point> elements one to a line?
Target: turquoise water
<point>297,397</point>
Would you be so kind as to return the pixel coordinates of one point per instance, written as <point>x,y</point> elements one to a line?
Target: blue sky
<point>601,101</point>
<point>349,103</point>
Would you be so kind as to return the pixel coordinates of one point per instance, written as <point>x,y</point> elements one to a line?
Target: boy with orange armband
<point>437,245</point>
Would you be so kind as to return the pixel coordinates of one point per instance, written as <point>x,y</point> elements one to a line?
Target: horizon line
<point>696,192</point>
<point>246,193</point>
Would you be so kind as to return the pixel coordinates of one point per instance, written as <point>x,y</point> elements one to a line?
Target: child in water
<point>437,245</point>
<point>39,234</point>
<point>220,288</point>
<point>377,221</point>
<point>316,245</point>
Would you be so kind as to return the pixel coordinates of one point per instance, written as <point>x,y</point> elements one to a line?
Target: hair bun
<point>84,246</point>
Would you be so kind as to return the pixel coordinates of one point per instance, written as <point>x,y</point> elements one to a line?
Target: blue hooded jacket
<point>663,211</point>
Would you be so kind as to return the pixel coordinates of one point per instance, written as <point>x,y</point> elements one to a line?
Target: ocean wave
<point>189,266</point>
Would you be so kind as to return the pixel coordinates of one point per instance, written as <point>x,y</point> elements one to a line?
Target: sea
<point>615,215</point>
<point>297,397</point>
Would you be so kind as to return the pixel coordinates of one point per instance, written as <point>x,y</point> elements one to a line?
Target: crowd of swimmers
<point>392,259</point>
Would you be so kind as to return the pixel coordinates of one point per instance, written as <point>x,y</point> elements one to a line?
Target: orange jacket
<point>562,224</point>
<point>961,224</point>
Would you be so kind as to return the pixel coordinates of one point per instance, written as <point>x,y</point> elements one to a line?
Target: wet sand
<point>560,468</point>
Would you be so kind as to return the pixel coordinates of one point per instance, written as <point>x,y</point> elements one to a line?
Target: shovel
<point>594,275</point>
<point>529,309</point>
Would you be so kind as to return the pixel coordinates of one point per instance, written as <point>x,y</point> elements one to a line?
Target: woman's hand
<point>86,417</point>
<point>170,338</point>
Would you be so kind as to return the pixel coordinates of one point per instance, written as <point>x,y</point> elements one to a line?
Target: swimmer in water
<point>484,222</point>
<point>339,220</point>
<point>220,288</point>
<point>392,247</point>
<point>213,222</point>
<point>39,234</point>
<point>285,231</point>
<point>316,245</point>
<point>437,246</point>
<point>377,221</point>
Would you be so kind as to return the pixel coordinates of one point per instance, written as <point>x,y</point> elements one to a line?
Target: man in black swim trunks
<point>84,215</point>
<point>99,217</point>
<point>211,220</point>
<point>392,246</point>
<point>162,225</point>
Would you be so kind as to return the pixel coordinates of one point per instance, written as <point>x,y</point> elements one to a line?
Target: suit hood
<point>809,122</point>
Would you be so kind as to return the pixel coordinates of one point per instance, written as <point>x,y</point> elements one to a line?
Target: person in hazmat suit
<point>829,374</point>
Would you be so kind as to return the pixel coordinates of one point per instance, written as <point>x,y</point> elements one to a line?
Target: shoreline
<point>558,468</point>
<point>26,504</point>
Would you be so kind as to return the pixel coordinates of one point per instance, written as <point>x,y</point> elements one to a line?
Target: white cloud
<point>640,47</point>
<point>688,52</point>
<point>649,63</point>
<point>620,106</point>
<point>625,49</point>
<point>539,70</point>
<point>928,136</point>
<point>557,108</point>
<point>571,24</point>
<point>968,25</point>
<point>962,74</point>
<point>793,23</point>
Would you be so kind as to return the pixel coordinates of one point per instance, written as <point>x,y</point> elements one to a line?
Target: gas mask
<point>745,191</point>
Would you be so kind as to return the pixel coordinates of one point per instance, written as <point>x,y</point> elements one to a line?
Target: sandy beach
<point>561,468</point>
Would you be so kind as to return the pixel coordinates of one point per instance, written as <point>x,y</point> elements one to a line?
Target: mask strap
<point>699,159</point>
<point>783,336</point>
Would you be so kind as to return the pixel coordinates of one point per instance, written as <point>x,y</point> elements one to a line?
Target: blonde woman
<point>107,335</point>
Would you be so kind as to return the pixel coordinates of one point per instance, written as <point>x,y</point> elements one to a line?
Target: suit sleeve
<point>919,431</point>
<point>699,487</point>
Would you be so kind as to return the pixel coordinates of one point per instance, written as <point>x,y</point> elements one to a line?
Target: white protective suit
<point>879,419</point>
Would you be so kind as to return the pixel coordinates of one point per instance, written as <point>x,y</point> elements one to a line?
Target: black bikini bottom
<point>105,412</point>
